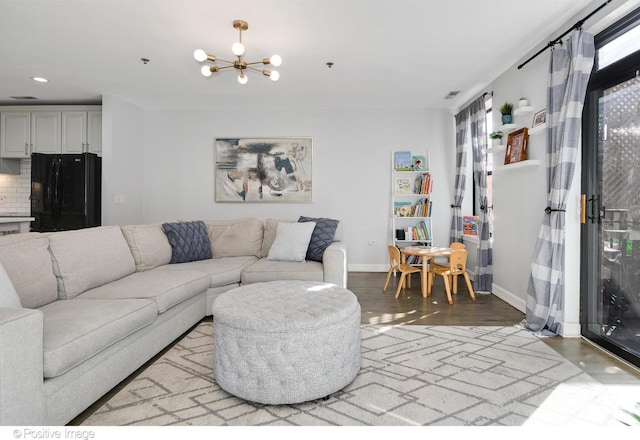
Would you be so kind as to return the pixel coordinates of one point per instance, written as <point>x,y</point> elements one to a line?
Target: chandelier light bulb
<point>206,70</point>
<point>237,49</point>
<point>242,78</point>
<point>275,76</point>
<point>275,60</point>
<point>200,55</point>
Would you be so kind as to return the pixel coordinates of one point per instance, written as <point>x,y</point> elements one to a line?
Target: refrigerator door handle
<point>56,207</point>
<point>49,200</point>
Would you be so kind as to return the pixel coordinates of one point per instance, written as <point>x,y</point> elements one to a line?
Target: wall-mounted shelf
<point>521,164</point>
<point>538,128</point>
<point>522,110</point>
<point>507,127</point>
<point>497,149</point>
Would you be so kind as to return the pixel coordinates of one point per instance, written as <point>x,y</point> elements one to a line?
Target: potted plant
<point>507,112</point>
<point>523,102</point>
<point>496,136</point>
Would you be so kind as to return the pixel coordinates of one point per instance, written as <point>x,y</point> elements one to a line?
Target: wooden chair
<point>395,263</point>
<point>445,264</point>
<point>457,266</point>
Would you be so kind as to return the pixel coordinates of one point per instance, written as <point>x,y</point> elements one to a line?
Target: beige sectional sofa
<point>98,303</point>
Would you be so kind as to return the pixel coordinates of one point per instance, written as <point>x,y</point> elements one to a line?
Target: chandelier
<point>239,64</point>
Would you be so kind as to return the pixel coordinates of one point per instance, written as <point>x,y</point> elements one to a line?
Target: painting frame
<point>539,118</point>
<point>263,169</point>
<point>517,145</point>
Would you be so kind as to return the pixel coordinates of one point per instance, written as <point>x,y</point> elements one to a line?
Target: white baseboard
<point>509,298</point>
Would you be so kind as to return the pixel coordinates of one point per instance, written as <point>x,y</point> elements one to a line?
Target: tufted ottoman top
<point>281,306</point>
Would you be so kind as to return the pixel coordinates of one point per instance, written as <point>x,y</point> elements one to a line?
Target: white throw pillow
<point>8,296</point>
<point>292,241</point>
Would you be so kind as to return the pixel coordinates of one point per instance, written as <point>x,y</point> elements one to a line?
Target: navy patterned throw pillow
<point>321,238</point>
<point>189,241</point>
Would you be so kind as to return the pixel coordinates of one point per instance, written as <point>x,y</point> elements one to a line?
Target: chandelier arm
<point>225,61</point>
<point>256,62</point>
<point>225,67</point>
<point>253,68</point>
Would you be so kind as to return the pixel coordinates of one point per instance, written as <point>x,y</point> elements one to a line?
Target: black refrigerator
<point>65,191</point>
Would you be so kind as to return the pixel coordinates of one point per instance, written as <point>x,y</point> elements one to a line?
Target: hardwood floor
<point>411,308</point>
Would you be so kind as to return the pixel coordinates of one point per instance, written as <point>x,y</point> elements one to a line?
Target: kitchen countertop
<point>15,218</point>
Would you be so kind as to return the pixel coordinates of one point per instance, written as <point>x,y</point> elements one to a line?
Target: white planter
<point>523,103</point>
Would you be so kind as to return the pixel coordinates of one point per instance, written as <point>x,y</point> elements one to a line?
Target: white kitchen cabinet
<point>15,134</point>
<point>24,132</point>
<point>45,132</point>
<point>82,132</point>
<point>94,132</point>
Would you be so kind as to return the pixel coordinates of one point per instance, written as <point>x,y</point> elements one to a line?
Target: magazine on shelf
<point>470,224</point>
<point>402,160</point>
<point>419,163</point>
<point>402,209</point>
<point>403,185</point>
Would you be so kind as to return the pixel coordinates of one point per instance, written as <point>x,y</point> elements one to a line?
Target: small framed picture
<point>539,118</point>
<point>517,144</point>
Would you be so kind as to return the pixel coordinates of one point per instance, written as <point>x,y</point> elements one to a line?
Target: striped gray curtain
<point>569,70</point>
<point>461,167</point>
<point>483,279</point>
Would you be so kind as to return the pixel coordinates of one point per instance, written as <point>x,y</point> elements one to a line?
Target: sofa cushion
<point>88,258</point>
<point>270,228</point>
<point>148,244</point>
<point>166,288</point>
<point>292,241</point>
<point>75,330</point>
<point>222,271</point>
<point>322,236</point>
<point>8,296</point>
<point>235,238</point>
<point>27,261</point>
<point>268,270</point>
<point>189,241</point>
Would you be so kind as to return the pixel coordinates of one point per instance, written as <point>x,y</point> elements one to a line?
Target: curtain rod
<point>558,40</point>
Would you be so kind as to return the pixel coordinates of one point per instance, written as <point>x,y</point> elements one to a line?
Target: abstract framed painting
<point>278,169</point>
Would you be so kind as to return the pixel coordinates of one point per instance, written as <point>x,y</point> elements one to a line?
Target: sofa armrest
<point>334,262</point>
<point>22,399</point>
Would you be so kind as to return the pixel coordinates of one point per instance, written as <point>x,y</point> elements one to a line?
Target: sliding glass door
<point>611,186</point>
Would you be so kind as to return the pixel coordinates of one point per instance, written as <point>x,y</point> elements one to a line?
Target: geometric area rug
<point>411,375</point>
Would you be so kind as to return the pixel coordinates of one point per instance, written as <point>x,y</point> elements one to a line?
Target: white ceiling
<point>386,53</point>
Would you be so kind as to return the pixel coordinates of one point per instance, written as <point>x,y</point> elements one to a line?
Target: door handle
<point>598,212</point>
<point>593,200</point>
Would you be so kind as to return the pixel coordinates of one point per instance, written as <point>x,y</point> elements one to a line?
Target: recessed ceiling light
<point>39,79</point>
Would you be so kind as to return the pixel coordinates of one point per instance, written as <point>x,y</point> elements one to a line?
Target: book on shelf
<point>423,184</point>
<point>402,209</point>
<point>402,185</point>
<point>419,163</point>
<point>422,208</point>
<point>402,160</point>
<point>420,232</point>
<point>470,224</point>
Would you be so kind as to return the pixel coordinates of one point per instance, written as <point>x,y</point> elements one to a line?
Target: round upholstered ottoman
<point>285,342</point>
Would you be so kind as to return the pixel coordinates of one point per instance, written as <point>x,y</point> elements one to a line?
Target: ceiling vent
<point>23,97</point>
<point>452,94</point>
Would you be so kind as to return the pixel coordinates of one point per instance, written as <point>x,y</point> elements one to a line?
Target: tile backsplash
<point>16,189</point>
